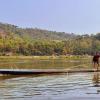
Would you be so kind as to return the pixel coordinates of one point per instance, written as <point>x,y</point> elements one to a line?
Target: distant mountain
<point>33,33</point>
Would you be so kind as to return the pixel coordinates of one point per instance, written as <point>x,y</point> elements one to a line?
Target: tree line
<point>18,41</point>
<point>79,46</point>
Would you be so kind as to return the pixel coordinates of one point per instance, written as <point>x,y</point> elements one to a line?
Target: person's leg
<point>94,64</point>
<point>97,65</point>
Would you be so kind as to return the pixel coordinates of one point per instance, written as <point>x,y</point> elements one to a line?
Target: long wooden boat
<point>44,71</point>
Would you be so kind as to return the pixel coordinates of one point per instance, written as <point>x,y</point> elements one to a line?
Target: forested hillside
<point>33,41</point>
<point>34,33</point>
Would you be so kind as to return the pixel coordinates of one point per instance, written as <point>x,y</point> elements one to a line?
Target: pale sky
<point>74,16</point>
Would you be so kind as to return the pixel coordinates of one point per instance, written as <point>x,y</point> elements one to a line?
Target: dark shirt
<point>96,57</point>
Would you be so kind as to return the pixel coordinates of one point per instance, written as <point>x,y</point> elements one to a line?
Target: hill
<point>34,41</point>
<point>33,33</point>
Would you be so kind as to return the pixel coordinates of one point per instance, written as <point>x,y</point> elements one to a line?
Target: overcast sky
<point>74,16</point>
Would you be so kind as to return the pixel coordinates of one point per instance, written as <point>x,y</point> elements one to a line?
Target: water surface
<point>77,86</point>
<point>44,64</point>
<point>51,87</point>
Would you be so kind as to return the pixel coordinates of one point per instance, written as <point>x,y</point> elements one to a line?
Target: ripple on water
<point>81,84</point>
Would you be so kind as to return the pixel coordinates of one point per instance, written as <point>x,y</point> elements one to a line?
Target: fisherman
<point>96,60</point>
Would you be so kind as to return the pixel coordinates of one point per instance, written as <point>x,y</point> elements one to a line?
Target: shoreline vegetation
<point>16,41</point>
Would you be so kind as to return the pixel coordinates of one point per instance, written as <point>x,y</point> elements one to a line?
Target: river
<point>77,86</point>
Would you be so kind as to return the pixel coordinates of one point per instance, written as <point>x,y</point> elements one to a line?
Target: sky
<point>71,16</point>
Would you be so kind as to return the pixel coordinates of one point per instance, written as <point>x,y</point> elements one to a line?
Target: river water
<point>77,86</point>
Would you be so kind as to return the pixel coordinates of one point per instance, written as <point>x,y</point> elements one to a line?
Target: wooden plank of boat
<point>43,71</point>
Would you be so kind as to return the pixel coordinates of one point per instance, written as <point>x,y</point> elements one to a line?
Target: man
<point>96,60</point>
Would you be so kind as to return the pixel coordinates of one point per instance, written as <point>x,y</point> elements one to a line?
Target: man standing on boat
<point>96,60</point>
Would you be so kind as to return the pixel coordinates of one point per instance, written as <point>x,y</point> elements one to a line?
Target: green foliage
<point>29,41</point>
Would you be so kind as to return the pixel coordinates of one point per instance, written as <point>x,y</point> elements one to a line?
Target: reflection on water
<point>44,64</point>
<point>96,79</point>
<point>42,87</point>
<point>49,87</point>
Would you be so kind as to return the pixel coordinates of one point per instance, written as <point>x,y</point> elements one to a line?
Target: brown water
<point>43,64</point>
<point>78,86</point>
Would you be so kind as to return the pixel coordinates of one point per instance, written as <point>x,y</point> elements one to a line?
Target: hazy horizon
<point>70,16</point>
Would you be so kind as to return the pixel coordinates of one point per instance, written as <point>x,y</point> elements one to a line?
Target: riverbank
<point>48,57</point>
